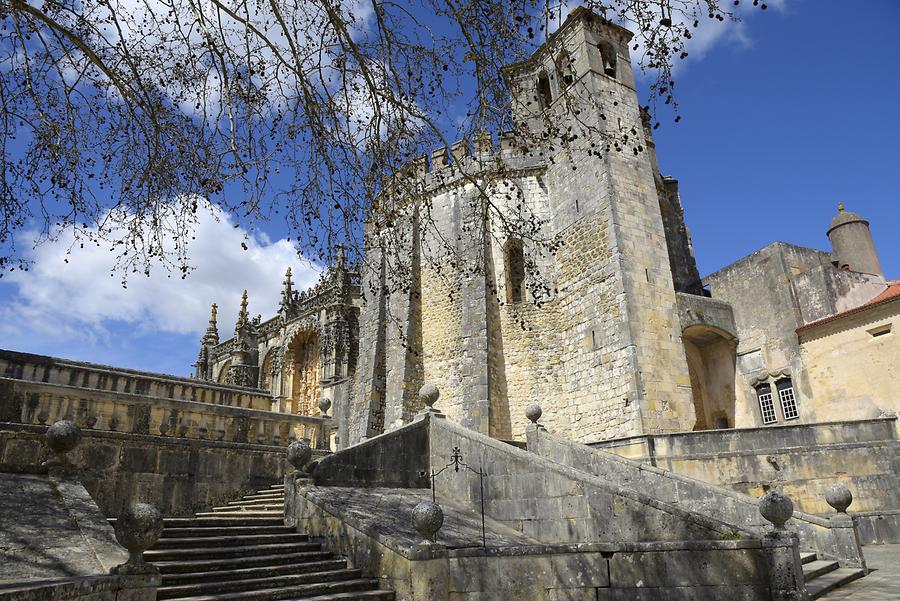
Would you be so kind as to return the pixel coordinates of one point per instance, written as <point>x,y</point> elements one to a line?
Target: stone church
<point>629,341</point>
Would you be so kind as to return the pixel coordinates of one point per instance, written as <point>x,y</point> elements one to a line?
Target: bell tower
<point>577,100</point>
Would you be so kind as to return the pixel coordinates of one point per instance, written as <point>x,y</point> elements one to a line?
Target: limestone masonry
<point>629,341</point>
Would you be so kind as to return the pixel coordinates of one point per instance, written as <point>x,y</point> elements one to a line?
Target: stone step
<point>194,566</point>
<point>808,557</point>
<point>243,519</point>
<point>303,591</point>
<point>322,562</point>
<point>229,541</point>
<point>212,531</point>
<point>253,584</point>
<point>357,596</point>
<point>241,506</point>
<point>274,498</point>
<point>265,493</point>
<point>181,553</point>
<point>239,513</point>
<point>254,503</point>
<point>832,580</point>
<point>814,569</point>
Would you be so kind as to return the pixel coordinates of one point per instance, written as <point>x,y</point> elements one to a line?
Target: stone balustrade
<point>39,403</point>
<point>51,370</point>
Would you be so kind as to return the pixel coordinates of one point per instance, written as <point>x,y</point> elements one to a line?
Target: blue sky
<point>782,118</point>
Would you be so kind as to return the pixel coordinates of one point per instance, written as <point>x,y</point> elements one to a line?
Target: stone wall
<point>828,538</point>
<point>77,374</point>
<point>773,292</point>
<point>30,402</point>
<point>377,537</point>
<point>179,476</point>
<point>852,364</point>
<point>804,461</point>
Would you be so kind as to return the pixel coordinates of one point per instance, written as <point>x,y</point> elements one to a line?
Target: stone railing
<point>51,370</point>
<point>29,402</point>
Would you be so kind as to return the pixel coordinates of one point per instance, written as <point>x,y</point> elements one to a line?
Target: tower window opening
<point>766,404</point>
<point>515,271</point>
<point>608,54</point>
<point>565,66</point>
<point>545,95</point>
<point>786,396</point>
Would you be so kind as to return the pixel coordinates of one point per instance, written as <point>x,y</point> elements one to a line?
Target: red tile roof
<point>890,293</point>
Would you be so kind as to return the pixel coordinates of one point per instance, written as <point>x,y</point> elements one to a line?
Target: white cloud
<point>60,303</point>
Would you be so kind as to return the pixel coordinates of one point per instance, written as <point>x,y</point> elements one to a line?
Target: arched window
<point>766,404</point>
<point>545,95</point>
<point>608,54</point>
<point>786,396</point>
<point>515,271</point>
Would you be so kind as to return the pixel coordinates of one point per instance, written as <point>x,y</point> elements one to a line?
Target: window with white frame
<point>786,396</point>
<point>766,404</point>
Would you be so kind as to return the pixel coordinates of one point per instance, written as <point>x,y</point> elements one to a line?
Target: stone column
<point>782,549</point>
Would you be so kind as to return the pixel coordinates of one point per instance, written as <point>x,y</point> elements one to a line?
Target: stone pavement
<point>882,584</point>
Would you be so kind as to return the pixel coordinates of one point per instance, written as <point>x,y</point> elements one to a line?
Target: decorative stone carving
<point>776,507</point>
<point>839,497</point>
<point>298,454</point>
<point>137,528</point>
<point>62,437</point>
<point>534,412</point>
<point>428,517</point>
<point>324,406</point>
<point>429,395</point>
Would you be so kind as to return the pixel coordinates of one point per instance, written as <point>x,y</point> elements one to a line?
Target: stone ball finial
<point>534,412</point>
<point>137,529</point>
<point>429,394</point>
<point>776,507</point>
<point>428,517</point>
<point>62,437</point>
<point>839,497</point>
<point>298,454</point>
<point>324,405</point>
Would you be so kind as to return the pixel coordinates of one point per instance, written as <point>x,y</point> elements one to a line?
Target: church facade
<point>614,332</point>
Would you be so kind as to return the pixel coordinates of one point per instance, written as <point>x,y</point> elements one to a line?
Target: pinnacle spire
<point>287,292</point>
<point>243,317</point>
<point>212,331</point>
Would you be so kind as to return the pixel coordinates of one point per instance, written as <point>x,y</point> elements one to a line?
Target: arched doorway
<point>711,356</point>
<point>303,373</point>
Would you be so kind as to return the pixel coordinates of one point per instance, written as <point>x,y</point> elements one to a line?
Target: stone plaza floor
<point>882,584</point>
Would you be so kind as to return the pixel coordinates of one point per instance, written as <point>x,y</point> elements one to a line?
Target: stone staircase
<point>242,551</point>
<point>823,576</point>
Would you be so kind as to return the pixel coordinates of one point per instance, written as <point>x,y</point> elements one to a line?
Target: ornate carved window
<point>786,395</point>
<point>515,271</point>
<point>766,404</point>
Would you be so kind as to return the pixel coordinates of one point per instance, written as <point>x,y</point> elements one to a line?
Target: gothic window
<point>545,95</point>
<point>786,395</point>
<point>265,371</point>
<point>766,404</point>
<point>222,378</point>
<point>515,271</point>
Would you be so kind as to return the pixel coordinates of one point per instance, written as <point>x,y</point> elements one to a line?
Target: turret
<point>851,243</point>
